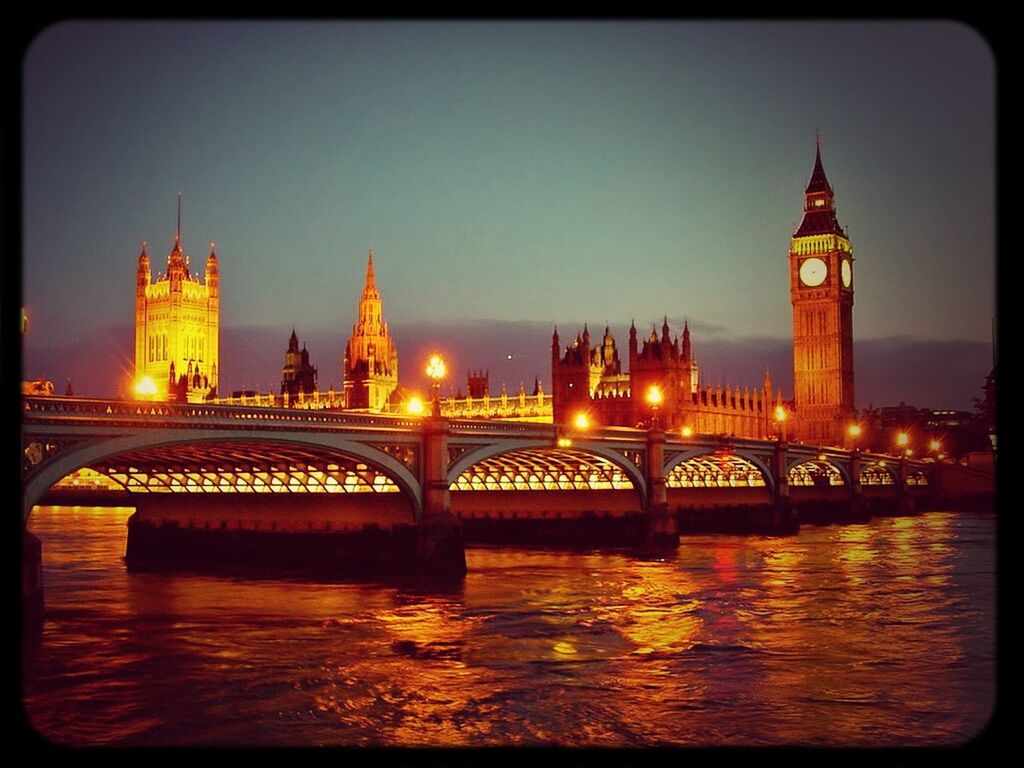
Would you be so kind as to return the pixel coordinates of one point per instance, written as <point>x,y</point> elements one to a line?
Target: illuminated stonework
<point>821,291</point>
<point>589,380</point>
<point>177,326</point>
<point>371,359</point>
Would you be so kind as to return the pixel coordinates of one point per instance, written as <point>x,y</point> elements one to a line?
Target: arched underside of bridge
<point>695,469</point>
<point>720,479</point>
<point>183,472</point>
<point>817,473</point>
<point>545,481</point>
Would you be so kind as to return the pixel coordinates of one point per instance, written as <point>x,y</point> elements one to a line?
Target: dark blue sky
<point>507,176</point>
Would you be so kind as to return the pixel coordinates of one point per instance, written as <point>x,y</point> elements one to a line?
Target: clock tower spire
<point>821,291</point>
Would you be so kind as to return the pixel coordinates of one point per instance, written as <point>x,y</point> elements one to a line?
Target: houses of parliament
<point>177,325</point>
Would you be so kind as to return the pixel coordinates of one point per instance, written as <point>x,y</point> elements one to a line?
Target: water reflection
<point>876,634</point>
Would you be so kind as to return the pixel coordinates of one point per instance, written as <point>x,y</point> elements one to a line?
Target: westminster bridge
<point>184,464</point>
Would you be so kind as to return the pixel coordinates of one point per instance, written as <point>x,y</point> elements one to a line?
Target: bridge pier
<point>905,503</point>
<point>32,605</point>
<point>859,510</point>
<point>662,525</point>
<point>440,548</point>
<point>784,514</point>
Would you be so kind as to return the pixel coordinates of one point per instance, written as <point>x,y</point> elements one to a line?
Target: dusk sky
<point>509,176</point>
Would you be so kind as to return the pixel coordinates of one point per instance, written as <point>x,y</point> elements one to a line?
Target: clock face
<point>813,272</point>
<point>847,273</point>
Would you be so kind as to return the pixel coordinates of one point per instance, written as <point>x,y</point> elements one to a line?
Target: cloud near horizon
<point>890,370</point>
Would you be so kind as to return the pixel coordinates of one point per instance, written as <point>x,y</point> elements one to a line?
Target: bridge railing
<point>84,410</point>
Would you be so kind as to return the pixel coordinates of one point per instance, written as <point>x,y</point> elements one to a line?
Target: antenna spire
<point>177,233</point>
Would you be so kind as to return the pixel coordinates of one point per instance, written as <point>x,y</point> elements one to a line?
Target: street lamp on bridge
<point>780,422</point>
<point>654,399</point>
<point>854,432</point>
<point>436,371</point>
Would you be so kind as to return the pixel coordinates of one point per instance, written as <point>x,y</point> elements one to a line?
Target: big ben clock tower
<point>821,290</point>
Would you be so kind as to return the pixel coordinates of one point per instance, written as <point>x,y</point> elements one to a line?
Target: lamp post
<point>780,421</point>
<point>854,432</point>
<point>654,398</point>
<point>435,372</point>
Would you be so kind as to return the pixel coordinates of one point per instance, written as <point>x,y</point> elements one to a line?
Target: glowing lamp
<point>414,406</point>
<point>654,396</point>
<point>436,368</point>
<point>780,413</point>
<point>687,432</point>
<point>935,445</point>
<point>909,452</point>
<point>564,442</point>
<point>145,387</point>
<point>854,430</point>
<point>902,438</point>
<point>582,421</point>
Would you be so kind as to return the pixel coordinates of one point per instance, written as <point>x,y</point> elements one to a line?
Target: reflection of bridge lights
<point>564,442</point>
<point>145,387</point>
<point>822,457</point>
<point>414,406</point>
<point>687,432</point>
<point>582,421</point>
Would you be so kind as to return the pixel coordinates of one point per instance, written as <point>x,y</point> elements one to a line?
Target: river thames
<point>879,634</point>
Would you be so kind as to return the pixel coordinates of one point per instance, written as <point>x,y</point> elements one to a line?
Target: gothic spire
<point>819,181</point>
<point>370,288</point>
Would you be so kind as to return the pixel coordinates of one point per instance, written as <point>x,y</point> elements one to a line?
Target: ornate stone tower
<point>177,325</point>
<point>821,290</point>
<point>371,360</point>
<point>298,374</point>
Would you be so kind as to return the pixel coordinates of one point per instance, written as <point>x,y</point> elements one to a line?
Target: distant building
<point>371,359</point>
<point>177,326</point>
<point>589,380</point>
<point>930,433</point>
<point>298,375</point>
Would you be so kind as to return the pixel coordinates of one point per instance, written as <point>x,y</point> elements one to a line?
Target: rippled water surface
<point>876,634</point>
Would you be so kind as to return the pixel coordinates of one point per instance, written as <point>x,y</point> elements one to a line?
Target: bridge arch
<point>878,473</point>
<point>473,457</point>
<point>100,450</point>
<point>755,462</point>
<point>806,470</point>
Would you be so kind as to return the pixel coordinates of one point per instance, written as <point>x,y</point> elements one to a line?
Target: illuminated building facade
<point>821,291</point>
<point>177,326</point>
<point>590,380</point>
<point>371,359</point>
<point>298,375</point>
